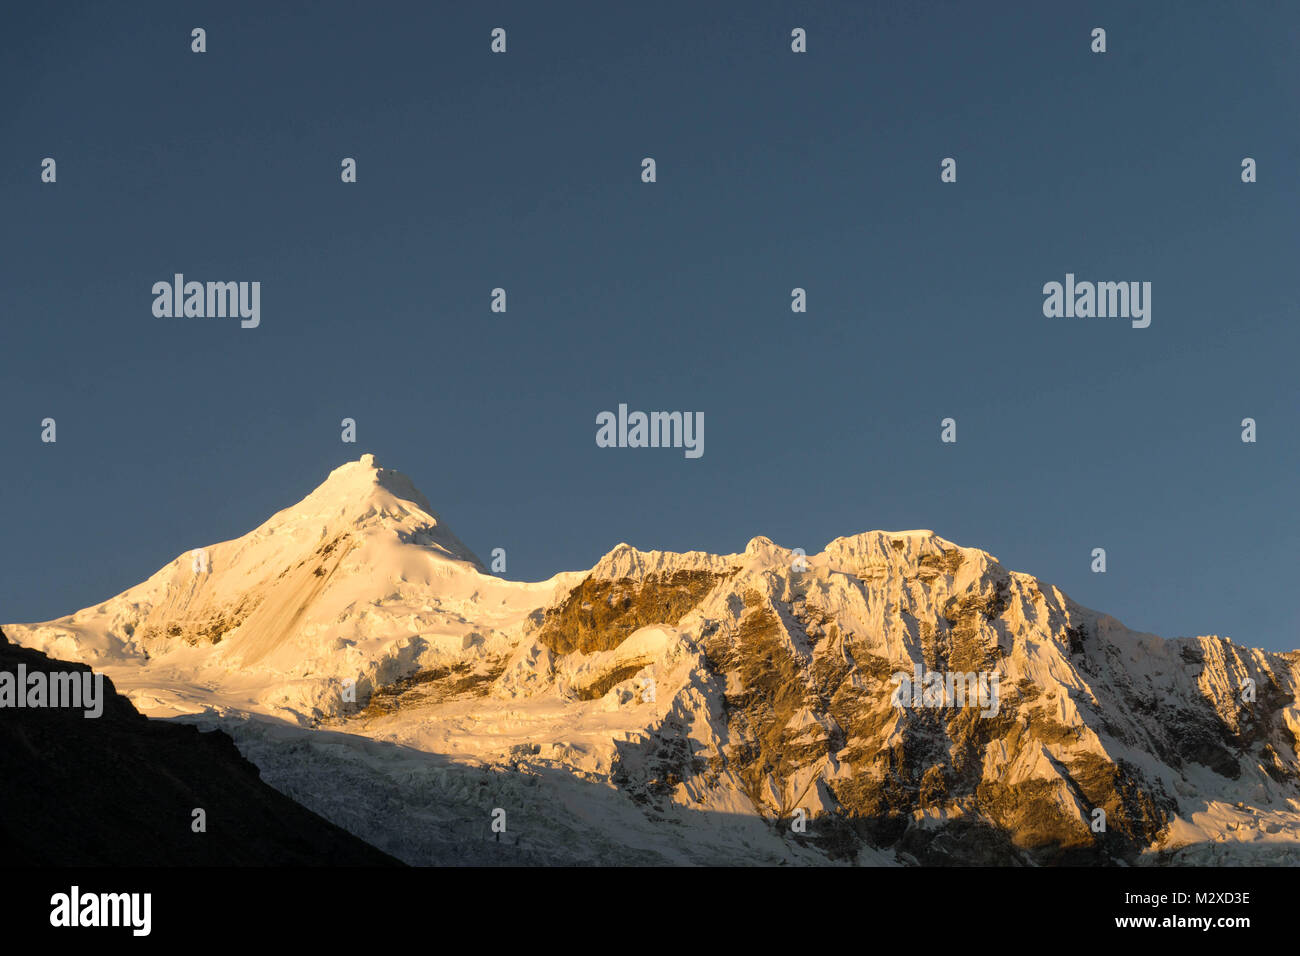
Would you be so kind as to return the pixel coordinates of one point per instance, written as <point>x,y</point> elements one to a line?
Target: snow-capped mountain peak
<point>295,597</point>
<point>705,689</point>
<point>364,496</point>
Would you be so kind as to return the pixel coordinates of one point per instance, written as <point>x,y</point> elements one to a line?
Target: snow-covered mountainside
<point>698,708</point>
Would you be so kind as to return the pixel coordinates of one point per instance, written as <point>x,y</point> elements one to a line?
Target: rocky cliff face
<point>893,699</point>
<point>121,790</point>
<point>1098,740</point>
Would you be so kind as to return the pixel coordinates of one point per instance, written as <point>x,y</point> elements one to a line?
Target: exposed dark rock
<point>120,790</point>
<point>599,614</point>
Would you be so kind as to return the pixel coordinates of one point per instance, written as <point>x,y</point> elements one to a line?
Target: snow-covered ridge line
<point>745,686</point>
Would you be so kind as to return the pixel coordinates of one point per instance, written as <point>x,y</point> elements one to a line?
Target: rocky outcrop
<point>1083,758</point>
<point>121,790</point>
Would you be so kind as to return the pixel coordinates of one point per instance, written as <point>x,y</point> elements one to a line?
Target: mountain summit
<point>893,699</point>
<point>311,594</point>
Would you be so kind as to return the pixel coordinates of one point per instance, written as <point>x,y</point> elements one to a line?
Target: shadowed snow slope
<point>697,707</point>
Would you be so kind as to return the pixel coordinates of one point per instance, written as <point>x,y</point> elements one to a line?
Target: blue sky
<point>775,170</point>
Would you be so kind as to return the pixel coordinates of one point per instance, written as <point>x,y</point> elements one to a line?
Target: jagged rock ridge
<point>744,707</point>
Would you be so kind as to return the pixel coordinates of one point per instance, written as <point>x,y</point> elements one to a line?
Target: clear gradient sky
<point>775,170</point>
